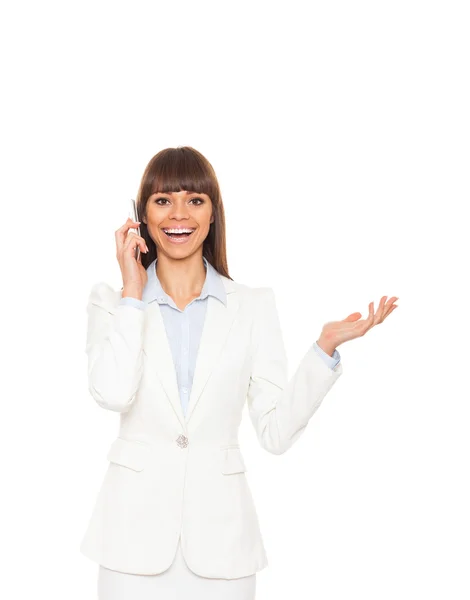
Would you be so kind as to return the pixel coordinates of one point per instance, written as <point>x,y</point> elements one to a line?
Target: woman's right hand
<point>134,275</point>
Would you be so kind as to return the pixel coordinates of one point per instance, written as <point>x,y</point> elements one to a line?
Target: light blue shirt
<point>184,327</point>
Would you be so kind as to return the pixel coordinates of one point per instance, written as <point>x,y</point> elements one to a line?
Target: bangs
<point>175,170</point>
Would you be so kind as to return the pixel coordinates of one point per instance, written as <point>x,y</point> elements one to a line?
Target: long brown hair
<point>174,170</point>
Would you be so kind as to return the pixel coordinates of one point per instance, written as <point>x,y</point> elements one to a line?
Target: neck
<point>183,277</point>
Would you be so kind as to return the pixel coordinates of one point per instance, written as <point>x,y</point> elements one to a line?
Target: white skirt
<point>176,583</point>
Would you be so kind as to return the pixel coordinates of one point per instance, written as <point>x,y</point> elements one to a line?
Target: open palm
<point>338,332</point>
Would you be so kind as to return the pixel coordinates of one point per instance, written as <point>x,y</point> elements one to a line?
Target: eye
<point>199,201</point>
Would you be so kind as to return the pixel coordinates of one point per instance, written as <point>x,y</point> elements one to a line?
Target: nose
<point>179,211</point>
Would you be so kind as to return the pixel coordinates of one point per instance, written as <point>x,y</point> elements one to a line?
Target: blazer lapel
<point>157,348</point>
<point>217,324</point>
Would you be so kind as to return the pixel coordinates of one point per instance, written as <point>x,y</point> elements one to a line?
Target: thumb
<point>353,317</point>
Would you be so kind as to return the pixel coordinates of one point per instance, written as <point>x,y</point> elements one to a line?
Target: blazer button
<point>182,441</point>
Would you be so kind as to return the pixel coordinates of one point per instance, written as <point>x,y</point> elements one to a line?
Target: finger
<point>392,300</point>
<point>129,224</point>
<point>367,323</point>
<point>133,240</point>
<point>392,308</point>
<point>389,305</point>
<point>121,233</point>
<point>379,315</point>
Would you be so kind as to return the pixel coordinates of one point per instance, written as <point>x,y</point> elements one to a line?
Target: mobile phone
<point>134,217</point>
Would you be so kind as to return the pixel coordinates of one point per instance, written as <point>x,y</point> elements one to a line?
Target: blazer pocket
<point>232,461</point>
<point>132,454</point>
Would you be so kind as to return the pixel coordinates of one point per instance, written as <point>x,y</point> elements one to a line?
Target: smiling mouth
<point>182,234</point>
<point>175,236</point>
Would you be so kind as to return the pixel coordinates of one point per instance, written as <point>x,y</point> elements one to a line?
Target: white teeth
<point>178,230</point>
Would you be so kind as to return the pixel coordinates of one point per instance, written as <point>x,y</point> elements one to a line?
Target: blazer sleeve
<point>280,408</point>
<point>114,347</point>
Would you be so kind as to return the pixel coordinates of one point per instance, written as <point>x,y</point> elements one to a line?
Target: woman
<point>177,352</point>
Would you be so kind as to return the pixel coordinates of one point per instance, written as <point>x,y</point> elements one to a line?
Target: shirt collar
<point>213,285</point>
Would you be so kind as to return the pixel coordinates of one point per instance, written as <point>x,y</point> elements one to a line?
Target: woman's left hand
<point>335,333</point>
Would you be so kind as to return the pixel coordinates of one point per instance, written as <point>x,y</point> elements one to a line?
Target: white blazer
<point>170,475</point>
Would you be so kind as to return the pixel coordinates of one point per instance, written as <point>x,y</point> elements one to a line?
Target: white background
<point>339,132</point>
